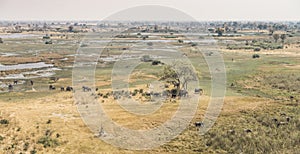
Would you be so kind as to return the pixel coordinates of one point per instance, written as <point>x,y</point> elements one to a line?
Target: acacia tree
<point>179,74</point>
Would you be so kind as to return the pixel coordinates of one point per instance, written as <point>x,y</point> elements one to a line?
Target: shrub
<point>194,44</point>
<point>33,151</point>
<point>256,49</point>
<point>48,141</point>
<point>4,121</point>
<point>155,62</point>
<point>26,146</point>
<point>255,56</point>
<point>49,121</point>
<point>48,42</point>
<point>83,45</point>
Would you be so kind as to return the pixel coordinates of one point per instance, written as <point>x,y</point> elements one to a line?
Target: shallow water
<point>32,74</point>
<point>18,35</point>
<point>24,66</point>
<point>8,54</point>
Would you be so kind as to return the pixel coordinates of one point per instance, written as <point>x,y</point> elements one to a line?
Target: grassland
<point>258,92</point>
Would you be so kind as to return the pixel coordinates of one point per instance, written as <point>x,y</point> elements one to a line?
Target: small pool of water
<point>24,66</point>
<point>32,74</point>
<point>18,35</point>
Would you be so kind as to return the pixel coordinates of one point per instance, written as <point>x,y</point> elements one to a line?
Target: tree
<point>179,74</point>
<point>70,28</point>
<point>180,41</point>
<point>276,37</point>
<point>271,31</point>
<point>220,31</point>
<point>282,37</point>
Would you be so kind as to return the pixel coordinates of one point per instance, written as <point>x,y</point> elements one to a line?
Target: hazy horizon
<point>95,10</point>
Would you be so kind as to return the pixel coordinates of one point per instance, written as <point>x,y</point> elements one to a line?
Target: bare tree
<point>276,37</point>
<point>179,74</point>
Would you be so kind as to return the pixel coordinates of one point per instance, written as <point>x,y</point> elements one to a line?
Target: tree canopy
<point>178,74</point>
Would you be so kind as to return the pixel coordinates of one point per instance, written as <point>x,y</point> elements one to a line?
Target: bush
<point>134,94</point>
<point>48,42</point>
<point>150,43</point>
<point>255,56</point>
<point>4,121</point>
<point>48,141</point>
<point>194,44</point>
<point>156,62</point>
<point>33,151</point>
<point>49,121</point>
<point>256,49</point>
<point>26,146</point>
<point>83,45</point>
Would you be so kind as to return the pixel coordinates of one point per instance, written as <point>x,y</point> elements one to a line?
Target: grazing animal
<point>291,98</point>
<point>96,89</point>
<point>15,81</point>
<point>282,114</point>
<point>275,120</point>
<point>62,88</point>
<point>173,95</point>
<point>175,84</point>
<point>282,123</point>
<point>231,131</point>
<point>31,82</point>
<point>51,87</point>
<point>54,79</point>
<point>156,94</point>
<point>199,124</point>
<point>248,130</point>
<point>116,97</point>
<point>84,88</point>
<point>198,91</point>
<point>183,93</point>
<point>165,93</point>
<point>10,87</point>
<point>69,88</point>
